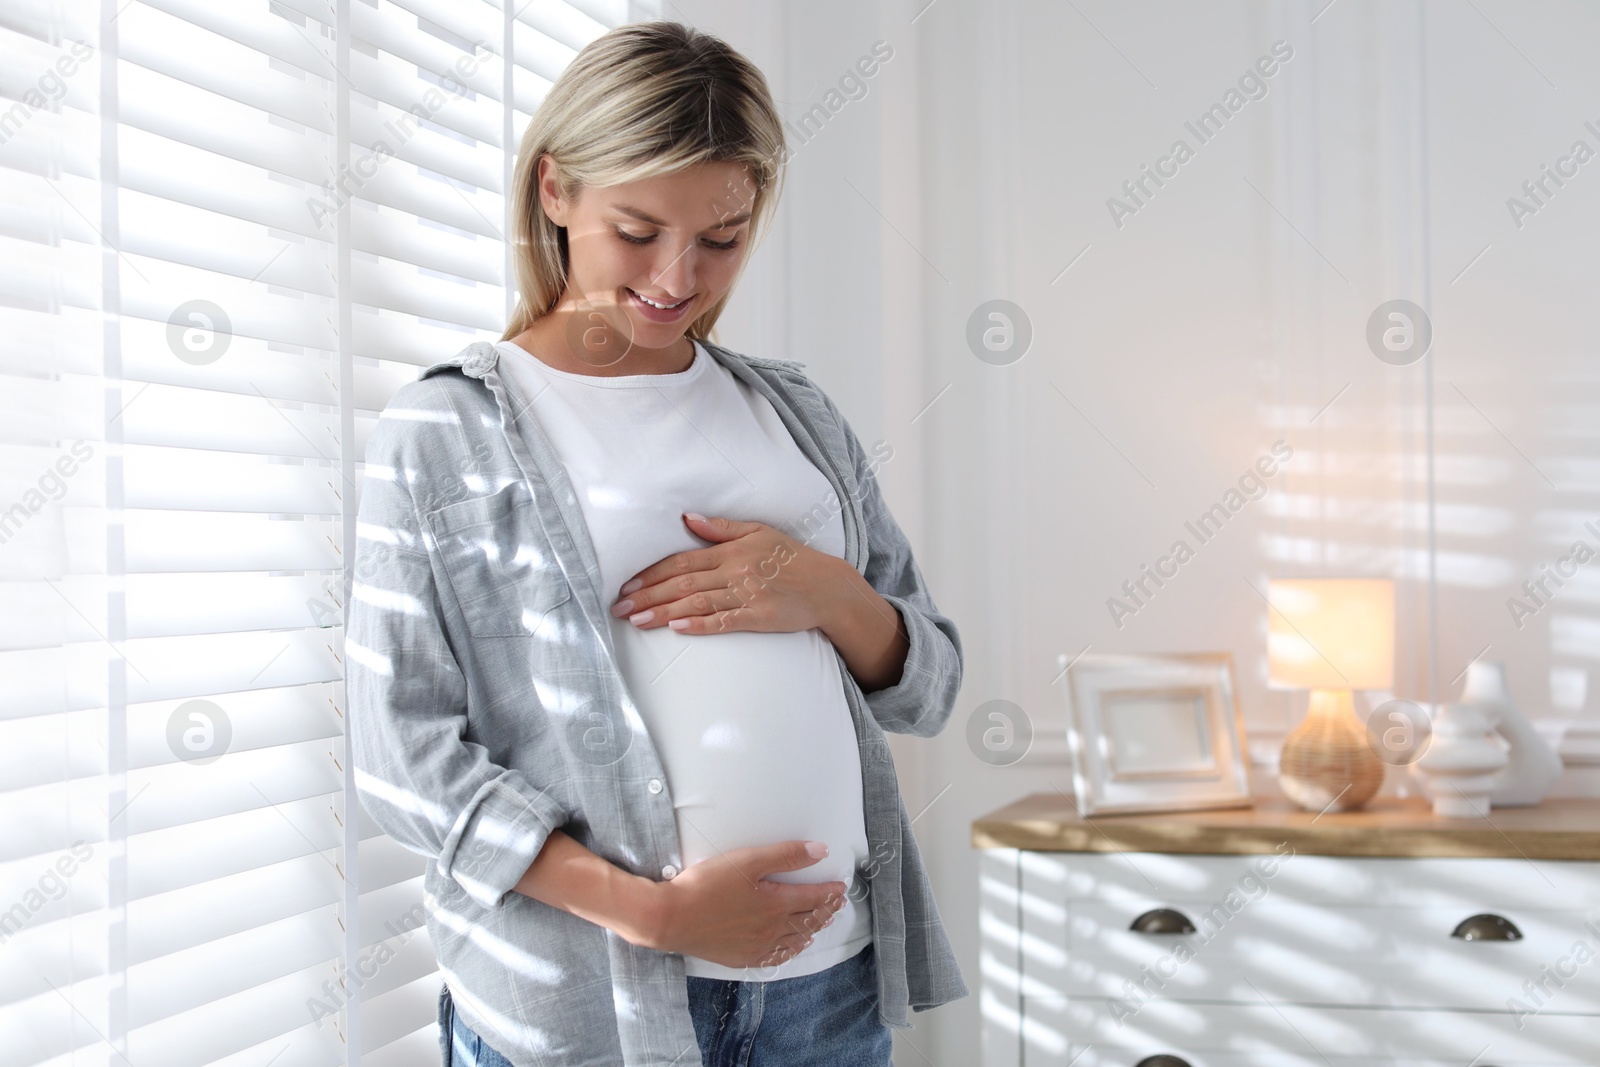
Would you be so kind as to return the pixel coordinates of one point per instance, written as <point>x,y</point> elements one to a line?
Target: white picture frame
<point>1156,733</point>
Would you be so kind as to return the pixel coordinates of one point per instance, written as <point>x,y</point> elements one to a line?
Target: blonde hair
<point>641,101</point>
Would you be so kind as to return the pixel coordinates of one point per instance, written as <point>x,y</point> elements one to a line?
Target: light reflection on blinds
<point>226,237</point>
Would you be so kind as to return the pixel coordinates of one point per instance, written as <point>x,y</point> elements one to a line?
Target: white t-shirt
<point>752,728</point>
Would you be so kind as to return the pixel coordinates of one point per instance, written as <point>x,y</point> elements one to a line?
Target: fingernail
<point>816,849</point>
<point>679,624</point>
<point>695,517</point>
<point>622,607</point>
<point>643,617</point>
<point>630,585</point>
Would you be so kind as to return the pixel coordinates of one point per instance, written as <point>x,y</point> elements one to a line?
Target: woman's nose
<point>676,274</point>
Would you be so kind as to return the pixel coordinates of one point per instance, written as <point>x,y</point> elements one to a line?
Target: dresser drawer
<point>1477,884</point>
<point>1094,1057</point>
<point>1312,929</point>
<point>1291,1035</point>
<point>1287,950</point>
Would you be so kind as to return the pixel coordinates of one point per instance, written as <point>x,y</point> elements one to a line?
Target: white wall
<point>1221,317</point>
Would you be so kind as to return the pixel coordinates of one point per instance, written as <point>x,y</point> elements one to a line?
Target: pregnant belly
<point>756,738</point>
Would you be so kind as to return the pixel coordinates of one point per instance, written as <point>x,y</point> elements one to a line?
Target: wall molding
<point>1576,741</point>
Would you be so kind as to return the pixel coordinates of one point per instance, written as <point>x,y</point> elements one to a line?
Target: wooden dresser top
<point>1049,822</point>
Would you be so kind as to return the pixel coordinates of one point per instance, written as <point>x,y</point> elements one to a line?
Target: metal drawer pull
<point>1162,1061</point>
<point>1487,928</point>
<point>1162,921</point>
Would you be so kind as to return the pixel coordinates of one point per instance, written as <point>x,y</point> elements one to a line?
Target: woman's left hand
<point>754,578</point>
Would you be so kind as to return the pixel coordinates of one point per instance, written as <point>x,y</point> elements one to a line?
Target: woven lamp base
<point>1327,763</point>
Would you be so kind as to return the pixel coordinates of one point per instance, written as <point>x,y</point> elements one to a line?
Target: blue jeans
<point>827,1019</point>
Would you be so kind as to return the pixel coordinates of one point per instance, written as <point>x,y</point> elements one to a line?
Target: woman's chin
<point>655,336</point>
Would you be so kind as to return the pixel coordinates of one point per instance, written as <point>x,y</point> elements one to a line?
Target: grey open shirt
<point>487,709</point>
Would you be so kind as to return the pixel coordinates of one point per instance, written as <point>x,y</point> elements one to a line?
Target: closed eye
<point>644,239</point>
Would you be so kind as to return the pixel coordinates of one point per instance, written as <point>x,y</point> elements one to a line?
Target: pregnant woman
<point>631,619</point>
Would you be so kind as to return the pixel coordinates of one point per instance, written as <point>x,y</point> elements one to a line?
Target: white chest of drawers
<point>1272,937</point>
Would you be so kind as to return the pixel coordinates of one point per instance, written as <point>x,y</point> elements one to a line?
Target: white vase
<point>1534,765</point>
<point>1463,761</point>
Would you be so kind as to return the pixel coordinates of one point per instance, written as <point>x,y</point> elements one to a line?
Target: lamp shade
<point>1330,633</point>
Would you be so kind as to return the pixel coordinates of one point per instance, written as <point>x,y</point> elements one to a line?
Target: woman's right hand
<point>724,909</point>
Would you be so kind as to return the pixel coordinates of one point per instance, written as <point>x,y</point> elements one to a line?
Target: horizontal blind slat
<point>383,861</point>
<point>46,819</point>
<point>165,987</point>
<point>398,287</point>
<point>66,341</point>
<point>189,479</point>
<point>217,211</point>
<point>379,129</point>
<point>248,367</point>
<point>290,81</point>
<point>227,541</point>
<point>171,112</point>
<point>389,1022</point>
<point>253,309</point>
<point>392,81</point>
<point>412,190</point>
<point>539,58</point>
<point>376,332</point>
<point>560,21</point>
<point>414,1001</point>
<point>256,903</point>
<point>169,605</point>
<point>165,925</point>
<point>198,418</point>
<point>470,20</point>
<point>404,238</point>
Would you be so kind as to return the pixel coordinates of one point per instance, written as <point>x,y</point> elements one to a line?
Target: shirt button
<point>654,785</point>
<point>669,872</point>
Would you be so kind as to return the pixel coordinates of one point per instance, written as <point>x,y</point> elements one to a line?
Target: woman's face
<point>651,256</point>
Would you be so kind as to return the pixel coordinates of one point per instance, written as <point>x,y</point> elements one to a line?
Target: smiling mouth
<point>659,306</point>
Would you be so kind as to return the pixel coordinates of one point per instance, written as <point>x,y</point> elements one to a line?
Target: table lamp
<point>1331,636</point>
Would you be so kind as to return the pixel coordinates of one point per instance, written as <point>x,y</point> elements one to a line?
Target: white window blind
<point>229,230</point>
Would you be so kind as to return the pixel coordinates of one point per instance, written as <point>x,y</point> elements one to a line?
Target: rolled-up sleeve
<point>418,777</point>
<point>920,703</point>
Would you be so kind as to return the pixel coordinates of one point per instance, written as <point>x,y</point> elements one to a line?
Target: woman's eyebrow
<point>640,215</point>
<point>643,216</point>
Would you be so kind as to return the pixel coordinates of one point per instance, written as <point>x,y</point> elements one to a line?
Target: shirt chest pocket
<point>494,555</point>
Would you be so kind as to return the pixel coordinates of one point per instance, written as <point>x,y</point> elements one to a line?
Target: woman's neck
<point>563,339</point>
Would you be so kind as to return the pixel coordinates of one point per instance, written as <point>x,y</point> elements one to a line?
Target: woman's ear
<point>550,199</point>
